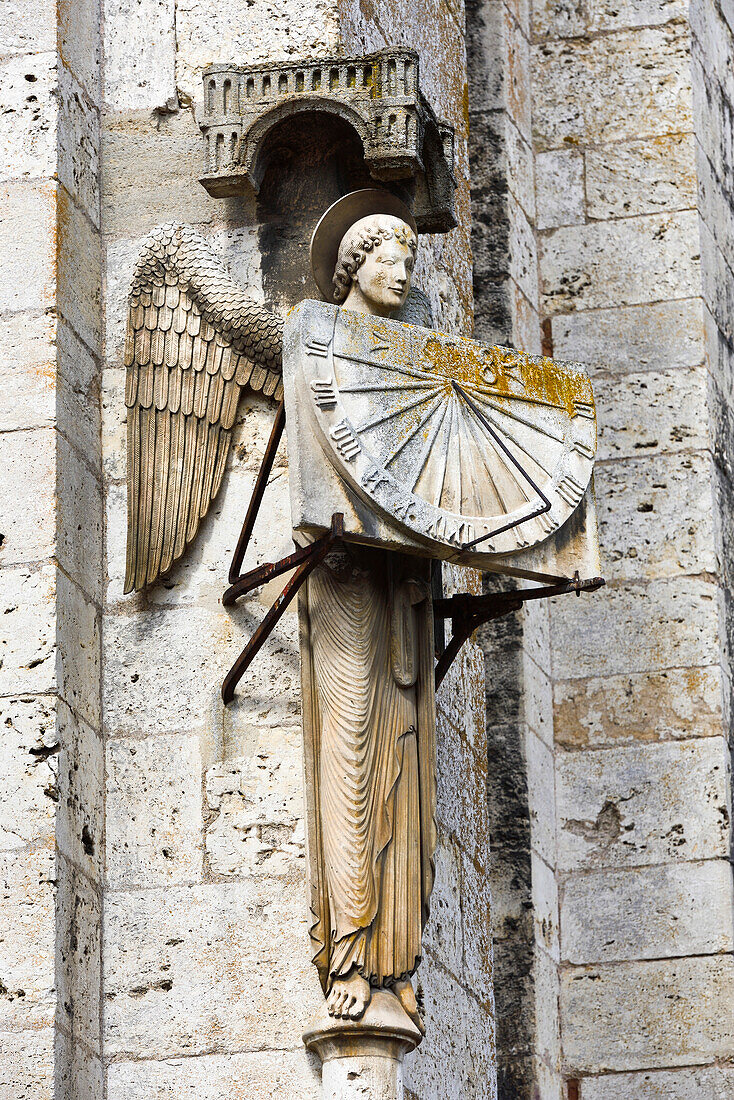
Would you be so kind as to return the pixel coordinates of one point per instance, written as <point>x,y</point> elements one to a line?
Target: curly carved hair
<point>358,241</point>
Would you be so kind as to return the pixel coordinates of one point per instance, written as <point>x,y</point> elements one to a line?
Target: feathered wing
<point>194,340</point>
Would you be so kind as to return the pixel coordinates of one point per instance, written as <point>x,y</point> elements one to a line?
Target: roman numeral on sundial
<point>324,393</point>
<point>380,345</point>
<point>582,449</point>
<point>583,409</point>
<point>570,490</point>
<point>319,348</point>
<point>345,439</point>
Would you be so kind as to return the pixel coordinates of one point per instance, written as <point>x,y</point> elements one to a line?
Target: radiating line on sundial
<point>376,387</point>
<point>401,410</point>
<point>488,391</point>
<point>508,435</point>
<point>389,367</point>
<point>480,443</point>
<point>428,445</point>
<point>445,444</point>
<point>468,446</point>
<point>421,424</point>
<point>514,416</point>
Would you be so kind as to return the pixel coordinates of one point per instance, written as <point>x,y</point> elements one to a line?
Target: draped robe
<point>367,659</point>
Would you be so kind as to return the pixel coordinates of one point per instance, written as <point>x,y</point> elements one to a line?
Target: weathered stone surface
<point>627,428</point>
<point>27,372</point>
<point>647,913</point>
<point>79,43</point>
<point>79,268</point>
<point>27,26</point>
<point>461,775</point>
<point>28,791</point>
<point>636,628</point>
<point>29,519</point>
<point>80,813</point>
<point>78,394</point>
<point>541,797</point>
<point>655,516</point>
<point>560,188</point>
<point>621,340</point>
<point>622,1017</point>
<point>523,252</point>
<point>630,807</point>
<point>27,942</point>
<point>675,703</point>
<point>28,644</point>
<point>28,116</point>
<point>80,520</point>
<point>288,1074</point>
<point>605,15</point>
<point>642,177</point>
<point>538,701</point>
<point>444,934</point>
<point>559,18</point>
<point>27,1064</point>
<point>714,205</point>
<point>547,992</point>
<point>153,811</point>
<point>703,1083</point>
<point>257,808</point>
<point>475,903</point>
<point>78,146</point>
<point>574,79</point>
<point>140,55</point>
<point>79,948</point>
<point>621,262</point>
<point>79,656</point>
<point>79,1074</point>
<point>27,223</point>
<point>202,968</point>
<point>545,907</point>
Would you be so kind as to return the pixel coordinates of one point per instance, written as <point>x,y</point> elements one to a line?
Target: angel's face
<point>383,280</point>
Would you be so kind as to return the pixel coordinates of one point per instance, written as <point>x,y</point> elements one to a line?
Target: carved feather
<point>194,340</point>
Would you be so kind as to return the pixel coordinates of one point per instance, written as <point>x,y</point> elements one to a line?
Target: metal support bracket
<point>306,558</point>
<point>467,612</point>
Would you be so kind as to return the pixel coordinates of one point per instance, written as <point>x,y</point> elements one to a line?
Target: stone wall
<point>628,790</point>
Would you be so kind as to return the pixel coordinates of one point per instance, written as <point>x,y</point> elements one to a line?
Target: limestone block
<point>444,932</point>
<point>655,516</point>
<point>622,1016</point>
<point>79,948</point>
<point>79,260</point>
<point>599,90</point>
<point>166,150</point>
<point>27,26</point>
<point>536,632</point>
<point>78,144</point>
<point>27,941</point>
<point>547,992</point>
<point>640,805</point>
<point>27,246</point>
<point>477,922</point>
<point>455,1060</point>
<point>80,45</point>
<point>559,18</point>
<point>153,811</point>
<point>541,797</point>
<point>520,168</point>
<point>605,15</point>
<point>523,252</point>
<point>287,1074</point>
<point>28,116</point>
<point>560,188</point>
<point>545,908</point>
<point>538,700</point>
<point>647,913</point>
<point>259,32</point>
<point>258,802</point>
<point>27,1064</point>
<point>28,789</point>
<point>517,64</point>
<point>80,812</point>
<point>78,659</point>
<point>78,394</point>
<point>525,323</point>
<point>461,806</point>
<point>636,628</point>
<point>27,495</point>
<point>657,336</point>
<point>624,407</point>
<point>79,1074</point>
<point>486,34</point>
<point>717,283</point>
<point>551,1084</point>
<point>650,706</point>
<point>79,530</point>
<point>714,206</point>
<point>27,372</point>
<point>208,968</point>
<point>140,54</point>
<point>28,643</point>
<point>700,1083</point>
<point>641,177</point>
<point>621,262</point>
<point>711,110</point>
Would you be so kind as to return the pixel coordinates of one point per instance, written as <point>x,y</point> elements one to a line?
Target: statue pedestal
<point>363,1059</point>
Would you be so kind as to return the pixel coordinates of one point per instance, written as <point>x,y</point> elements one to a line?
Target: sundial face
<point>479,449</point>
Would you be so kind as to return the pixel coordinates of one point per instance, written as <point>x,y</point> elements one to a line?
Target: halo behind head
<point>328,234</point>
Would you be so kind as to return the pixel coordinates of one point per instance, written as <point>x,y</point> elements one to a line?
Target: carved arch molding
<point>378,96</point>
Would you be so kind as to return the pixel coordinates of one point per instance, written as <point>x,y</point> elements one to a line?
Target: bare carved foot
<point>349,997</point>
<point>406,995</point>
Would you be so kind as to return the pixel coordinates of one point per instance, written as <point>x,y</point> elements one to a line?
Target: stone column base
<point>363,1059</point>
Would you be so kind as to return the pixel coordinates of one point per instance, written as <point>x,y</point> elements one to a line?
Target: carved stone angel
<point>194,341</point>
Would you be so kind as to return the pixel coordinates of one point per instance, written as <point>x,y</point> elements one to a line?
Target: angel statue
<point>194,341</point>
